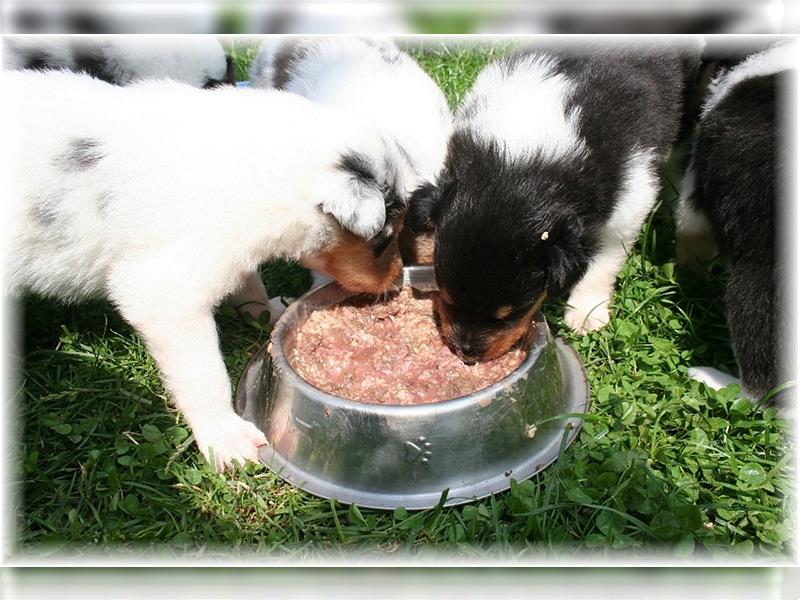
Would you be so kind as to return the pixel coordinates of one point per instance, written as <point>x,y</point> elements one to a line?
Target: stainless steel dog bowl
<point>384,456</point>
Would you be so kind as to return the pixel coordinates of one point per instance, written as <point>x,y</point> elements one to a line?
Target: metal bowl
<point>388,456</point>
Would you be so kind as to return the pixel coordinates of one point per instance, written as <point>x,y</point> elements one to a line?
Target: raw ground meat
<point>388,353</point>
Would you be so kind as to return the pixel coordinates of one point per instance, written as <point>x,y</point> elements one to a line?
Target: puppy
<point>730,202</point>
<point>198,61</point>
<point>375,79</point>
<point>165,218</point>
<point>551,171</point>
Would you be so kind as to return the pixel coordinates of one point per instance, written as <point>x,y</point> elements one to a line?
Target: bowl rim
<point>489,393</point>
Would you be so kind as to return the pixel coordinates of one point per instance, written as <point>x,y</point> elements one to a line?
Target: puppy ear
<point>358,209</point>
<point>567,259</point>
<point>356,201</point>
<point>421,204</point>
<point>424,206</point>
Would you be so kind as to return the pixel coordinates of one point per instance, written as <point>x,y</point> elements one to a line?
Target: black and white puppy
<point>550,174</point>
<point>199,61</point>
<point>731,203</point>
<point>116,192</point>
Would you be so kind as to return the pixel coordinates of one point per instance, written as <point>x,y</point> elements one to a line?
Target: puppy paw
<point>585,317</point>
<point>712,377</point>
<point>223,441</point>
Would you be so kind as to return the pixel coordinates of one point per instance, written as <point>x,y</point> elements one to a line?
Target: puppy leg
<point>589,300</point>
<point>750,298</point>
<point>178,328</point>
<point>695,243</point>
<point>251,300</point>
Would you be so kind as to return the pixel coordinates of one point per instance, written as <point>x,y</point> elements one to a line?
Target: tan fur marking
<point>416,249</point>
<point>350,261</point>
<point>504,311</point>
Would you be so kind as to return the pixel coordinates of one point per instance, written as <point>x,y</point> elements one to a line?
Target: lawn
<point>662,465</point>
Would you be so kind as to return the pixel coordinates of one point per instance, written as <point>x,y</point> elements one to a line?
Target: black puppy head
<point>506,237</point>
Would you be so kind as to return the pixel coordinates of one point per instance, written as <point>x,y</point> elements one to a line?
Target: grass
<point>662,465</point>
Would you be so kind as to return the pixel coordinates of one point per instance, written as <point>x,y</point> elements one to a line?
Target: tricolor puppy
<point>731,202</point>
<point>116,192</point>
<point>199,61</point>
<point>550,173</point>
<point>376,80</point>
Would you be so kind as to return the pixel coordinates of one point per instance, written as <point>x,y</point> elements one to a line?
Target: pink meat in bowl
<point>388,353</point>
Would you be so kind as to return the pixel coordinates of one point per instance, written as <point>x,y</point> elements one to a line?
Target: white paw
<point>586,316</point>
<point>228,439</point>
<point>712,377</point>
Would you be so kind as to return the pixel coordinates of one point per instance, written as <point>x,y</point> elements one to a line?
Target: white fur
<point>506,101</point>
<point>174,215</point>
<point>192,60</point>
<point>780,57</point>
<point>589,300</point>
<point>715,379</point>
<point>398,96</point>
<point>695,239</point>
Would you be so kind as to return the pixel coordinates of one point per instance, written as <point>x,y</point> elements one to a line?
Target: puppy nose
<point>468,351</point>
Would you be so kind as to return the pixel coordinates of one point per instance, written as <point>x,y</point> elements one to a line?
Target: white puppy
<point>116,191</point>
<point>373,78</point>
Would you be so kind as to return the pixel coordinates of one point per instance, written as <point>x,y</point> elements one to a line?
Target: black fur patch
<point>290,53</point>
<point>36,59</point>
<point>89,60</point>
<point>422,207</point>
<point>359,167</point>
<point>735,171</point>
<point>81,154</point>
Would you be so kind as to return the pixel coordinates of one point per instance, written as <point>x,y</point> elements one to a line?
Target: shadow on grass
<point>702,299</point>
